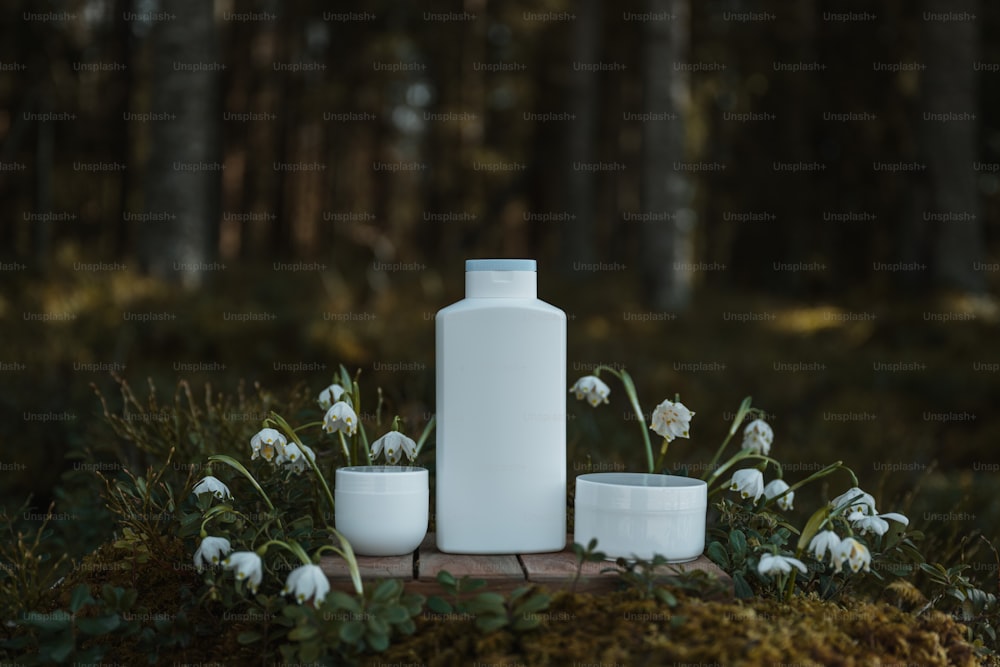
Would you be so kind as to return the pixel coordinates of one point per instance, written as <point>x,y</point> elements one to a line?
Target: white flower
<point>876,523</point>
<point>393,444</point>
<point>294,459</point>
<point>775,488</point>
<point>267,443</point>
<point>210,551</point>
<point>592,388</point>
<point>749,482</point>
<point>857,502</point>
<point>774,564</point>
<point>307,581</point>
<point>671,420</point>
<point>247,565</point>
<point>824,542</point>
<point>757,437</point>
<point>895,516</point>
<point>855,553</point>
<point>340,417</point>
<point>213,485</point>
<point>871,523</point>
<point>330,395</point>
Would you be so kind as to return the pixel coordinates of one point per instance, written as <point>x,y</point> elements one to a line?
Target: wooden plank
<point>371,567</point>
<point>501,573</point>
<point>557,570</point>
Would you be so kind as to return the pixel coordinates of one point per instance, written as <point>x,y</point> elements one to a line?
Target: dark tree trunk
<point>949,147</point>
<point>579,235</point>
<point>183,174</point>
<point>667,244</point>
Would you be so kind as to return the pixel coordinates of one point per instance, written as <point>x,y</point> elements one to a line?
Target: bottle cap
<point>501,278</point>
<point>500,265</point>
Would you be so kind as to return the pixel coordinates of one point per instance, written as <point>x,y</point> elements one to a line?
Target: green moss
<point>619,628</point>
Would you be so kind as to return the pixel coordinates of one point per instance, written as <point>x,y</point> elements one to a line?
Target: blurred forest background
<point>797,201</point>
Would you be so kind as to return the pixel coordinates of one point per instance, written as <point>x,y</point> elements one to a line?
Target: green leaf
<point>80,597</point>
<point>741,587</point>
<point>351,632</point>
<point>396,614</point>
<point>489,599</point>
<point>310,651</point>
<point>377,625</point>
<point>469,584</point>
<point>740,415</point>
<point>666,597</point>
<point>249,637</point>
<point>341,600</point>
<point>439,605</point>
<point>99,625</point>
<point>302,633</point>
<point>491,622</point>
<point>522,623</point>
<point>718,555</point>
<point>345,379</point>
<point>52,622</point>
<point>738,541</point>
<point>387,590</point>
<point>812,527</point>
<point>536,602</point>
<point>445,578</point>
<point>378,641</point>
<point>57,650</point>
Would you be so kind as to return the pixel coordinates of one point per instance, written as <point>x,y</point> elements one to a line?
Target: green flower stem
<point>347,553</point>
<point>356,395</point>
<point>737,420</point>
<point>423,436</point>
<point>294,547</point>
<point>312,463</point>
<point>839,465</point>
<point>343,445</point>
<point>305,426</point>
<point>740,456</point>
<point>633,398</point>
<point>322,480</point>
<point>791,584</point>
<point>236,465</point>
<point>215,511</point>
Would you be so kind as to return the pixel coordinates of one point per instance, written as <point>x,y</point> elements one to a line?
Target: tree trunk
<point>579,234</point>
<point>668,237</point>
<point>947,135</point>
<point>183,174</point>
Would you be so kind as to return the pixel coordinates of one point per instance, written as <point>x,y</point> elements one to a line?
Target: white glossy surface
<point>638,515</point>
<point>500,485</point>
<point>382,510</point>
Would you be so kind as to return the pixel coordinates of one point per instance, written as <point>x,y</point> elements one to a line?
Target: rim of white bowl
<point>381,480</point>
<point>640,492</point>
<point>368,470</point>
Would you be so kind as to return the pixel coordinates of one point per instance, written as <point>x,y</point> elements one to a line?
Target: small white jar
<point>381,510</point>
<point>638,515</point>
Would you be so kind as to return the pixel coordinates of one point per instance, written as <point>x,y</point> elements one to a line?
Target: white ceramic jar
<point>638,515</point>
<point>381,510</point>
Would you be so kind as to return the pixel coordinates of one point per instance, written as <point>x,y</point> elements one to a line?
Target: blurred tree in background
<point>657,134</point>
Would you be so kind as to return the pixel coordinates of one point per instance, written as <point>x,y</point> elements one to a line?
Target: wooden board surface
<point>501,572</point>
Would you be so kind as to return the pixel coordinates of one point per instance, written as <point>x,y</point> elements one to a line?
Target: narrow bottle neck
<point>501,284</point>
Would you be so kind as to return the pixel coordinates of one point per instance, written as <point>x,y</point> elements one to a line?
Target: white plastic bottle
<point>501,415</point>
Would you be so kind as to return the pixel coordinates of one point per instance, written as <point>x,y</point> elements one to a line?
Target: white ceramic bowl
<point>638,515</point>
<point>381,510</point>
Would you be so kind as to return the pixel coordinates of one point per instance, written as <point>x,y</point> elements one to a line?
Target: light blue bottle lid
<point>500,265</point>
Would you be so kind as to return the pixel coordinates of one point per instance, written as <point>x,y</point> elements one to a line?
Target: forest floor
<point>899,392</point>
